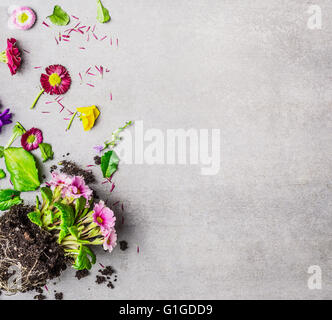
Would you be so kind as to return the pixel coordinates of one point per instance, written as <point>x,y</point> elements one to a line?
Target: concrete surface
<point>251,68</point>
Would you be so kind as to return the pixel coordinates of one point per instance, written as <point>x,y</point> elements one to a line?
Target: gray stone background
<point>251,68</point>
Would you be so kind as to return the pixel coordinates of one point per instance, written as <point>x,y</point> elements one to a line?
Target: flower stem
<point>71,120</point>
<point>36,100</point>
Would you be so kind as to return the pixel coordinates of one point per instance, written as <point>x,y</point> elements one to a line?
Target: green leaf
<point>47,195</point>
<point>80,204</point>
<point>35,217</point>
<point>103,14</point>
<point>2,149</point>
<point>67,215</point>
<point>7,194</point>
<point>74,232</point>
<point>46,151</point>
<point>109,163</point>
<point>59,17</point>
<point>62,235</point>
<point>47,217</point>
<point>22,168</point>
<point>2,174</point>
<point>18,130</point>
<point>82,260</point>
<point>5,205</point>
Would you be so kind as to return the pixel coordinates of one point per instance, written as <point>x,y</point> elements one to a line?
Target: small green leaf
<point>82,260</point>
<point>62,235</point>
<point>2,149</point>
<point>109,163</point>
<point>67,215</point>
<point>59,17</point>
<point>80,204</point>
<point>47,195</point>
<point>9,198</point>
<point>74,232</point>
<point>47,217</point>
<point>35,217</point>
<point>103,14</point>
<point>46,151</point>
<point>2,174</point>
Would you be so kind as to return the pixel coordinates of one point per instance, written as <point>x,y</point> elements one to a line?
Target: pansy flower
<point>22,18</point>
<point>56,80</point>
<point>5,118</point>
<point>11,56</point>
<point>31,139</point>
<point>88,116</point>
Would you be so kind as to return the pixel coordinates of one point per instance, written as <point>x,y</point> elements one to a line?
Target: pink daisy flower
<point>11,56</point>
<point>31,139</point>
<point>22,18</point>
<point>110,240</point>
<point>56,80</point>
<point>103,217</point>
<point>77,188</point>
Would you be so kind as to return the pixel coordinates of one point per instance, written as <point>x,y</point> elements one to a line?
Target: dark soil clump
<point>58,296</point>
<point>53,168</point>
<point>82,274</point>
<point>110,285</point>
<point>108,271</point>
<point>72,169</point>
<point>100,279</point>
<point>123,245</point>
<point>39,297</point>
<point>33,251</point>
<point>97,160</point>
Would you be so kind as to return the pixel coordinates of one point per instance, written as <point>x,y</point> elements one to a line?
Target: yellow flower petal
<point>89,116</point>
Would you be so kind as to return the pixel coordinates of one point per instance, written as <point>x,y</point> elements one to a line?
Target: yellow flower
<point>88,116</point>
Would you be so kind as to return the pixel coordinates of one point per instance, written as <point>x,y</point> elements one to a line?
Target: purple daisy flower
<point>5,118</point>
<point>31,139</point>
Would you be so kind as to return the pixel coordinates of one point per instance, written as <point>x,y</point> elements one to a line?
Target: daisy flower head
<point>59,180</point>
<point>11,56</point>
<point>56,80</point>
<point>103,217</point>
<point>22,18</point>
<point>31,139</point>
<point>110,240</point>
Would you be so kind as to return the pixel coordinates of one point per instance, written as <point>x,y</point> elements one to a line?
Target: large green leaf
<point>59,17</point>
<point>9,198</point>
<point>67,215</point>
<point>109,163</point>
<point>22,168</point>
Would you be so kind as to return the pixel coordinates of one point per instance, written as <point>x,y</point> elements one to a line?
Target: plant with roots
<point>67,210</point>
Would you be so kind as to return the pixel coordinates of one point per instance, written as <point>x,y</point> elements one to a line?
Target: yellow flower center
<point>31,139</point>
<point>22,17</point>
<point>54,80</point>
<point>100,220</point>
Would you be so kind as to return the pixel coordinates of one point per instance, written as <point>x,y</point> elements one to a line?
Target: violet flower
<point>5,118</point>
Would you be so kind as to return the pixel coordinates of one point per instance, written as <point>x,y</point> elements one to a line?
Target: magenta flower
<point>56,80</point>
<point>110,240</point>
<point>77,188</point>
<point>11,56</point>
<point>5,118</point>
<point>31,139</point>
<point>60,180</point>
<point>103,217</point>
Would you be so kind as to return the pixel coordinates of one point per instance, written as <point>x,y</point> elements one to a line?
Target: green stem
<point>3,57</point>
<point>36,100</point>
<point>71,120</point>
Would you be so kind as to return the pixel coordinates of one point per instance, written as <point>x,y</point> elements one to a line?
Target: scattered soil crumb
<point>40,297</point>
<point>58,296</point>
<point>108,271</point>
<point>82,274</point>
<point>123,245</point>
<point>110,285</point>
<point>97,160</point>
<point>73,169</point>
<point>100,279</point>
<point>39,290</point>
<point>53,168</point>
